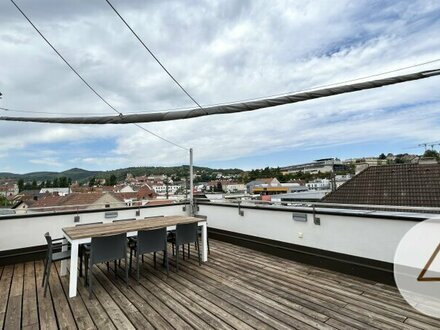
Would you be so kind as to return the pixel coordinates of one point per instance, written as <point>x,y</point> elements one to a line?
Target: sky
<point>220,51</point>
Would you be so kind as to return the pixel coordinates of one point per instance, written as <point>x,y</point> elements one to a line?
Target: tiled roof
<point>400,184</point>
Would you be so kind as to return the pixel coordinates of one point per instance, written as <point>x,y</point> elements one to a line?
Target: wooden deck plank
<point>97,312</point>
<point>30,305</point>
<point>379,306</point>
<point>191,303</point>
<point>80,313</point>
<point>46,311</point>
<point>373,318</point>
<point>236,289</point>
<point>127,307</point>
<point>313,304</point>
<point>141,304</point>
<point>62,309</point>
<point>199,296</point>
<point>13,312</point>
<point>269,311</point>
<point>117,316</point>
<point>5,286</point>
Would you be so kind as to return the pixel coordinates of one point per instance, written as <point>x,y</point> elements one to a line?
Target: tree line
<point>61,182</point>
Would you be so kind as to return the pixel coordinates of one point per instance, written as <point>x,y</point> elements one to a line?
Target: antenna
<point>429,144</point>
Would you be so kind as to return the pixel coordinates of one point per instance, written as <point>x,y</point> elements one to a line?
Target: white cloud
<point>220,52</point>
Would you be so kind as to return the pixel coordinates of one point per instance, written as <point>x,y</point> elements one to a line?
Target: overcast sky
<point>220,51</point>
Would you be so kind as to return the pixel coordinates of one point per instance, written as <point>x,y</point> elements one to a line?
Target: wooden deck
<point>238,288</point>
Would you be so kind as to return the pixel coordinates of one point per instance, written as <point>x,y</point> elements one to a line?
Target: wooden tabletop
<point>119,227</point>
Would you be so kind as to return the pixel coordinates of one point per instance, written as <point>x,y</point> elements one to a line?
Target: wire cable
<point>84,81</point>
<point>236,101</point>
<point>154,56</point>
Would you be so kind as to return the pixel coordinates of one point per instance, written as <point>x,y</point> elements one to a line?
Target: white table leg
<point>64,262</point>
<point>205,242</point>
<point>73,269</point>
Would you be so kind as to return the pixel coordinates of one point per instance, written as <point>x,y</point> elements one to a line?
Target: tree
<point>112,181</point>
<point>219,187</point>
<point>382,156</point>
<point>431,153</point>
<point>34,184</point>
<point>20,184</point>
<point>92,182</point>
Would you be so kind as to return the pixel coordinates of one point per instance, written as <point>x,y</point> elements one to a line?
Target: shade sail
<point>230,107</point>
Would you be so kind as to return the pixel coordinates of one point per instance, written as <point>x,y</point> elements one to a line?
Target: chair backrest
<point>151,240</point>
<point>186,233</point>
<point>108,248</point>
<point>117,220</point>
<point>49,243</point>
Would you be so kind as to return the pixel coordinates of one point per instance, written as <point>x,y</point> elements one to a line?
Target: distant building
<point>394,185</point>
<point>79,201</point>
<point>266,186</point>
<point>325,165</point>
<point>319,184</point>
<point>59,191</point>
<point>8,189</point>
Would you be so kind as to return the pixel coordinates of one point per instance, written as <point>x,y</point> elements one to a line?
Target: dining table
<point>77,235</point>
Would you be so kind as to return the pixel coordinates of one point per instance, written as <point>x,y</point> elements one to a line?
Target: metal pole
<point>191,183</point>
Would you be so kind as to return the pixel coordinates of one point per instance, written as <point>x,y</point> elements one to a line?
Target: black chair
<point>149,241</point>
<point>131,240</point>
<point>185,234</point>
<point>105,249</point>
<point>52,257</point>
<point>84,250</point>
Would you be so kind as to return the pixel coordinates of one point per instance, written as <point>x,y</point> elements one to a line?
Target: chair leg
<point>189,251</point>
<point>165,255</point>
<point>137,266</point>
<point>44,271</point>
<point>90,279</point>
<point>198,252</point>
<point>131,258</point>
<point>86,264</point>
<point>108,267</point>
<point>154,258</point>
<point>207,239</point>
<point>48,267</point>
<point>116,268</point>
<point>126,270</point>
<point>183,250</point>
<point>177,258</point>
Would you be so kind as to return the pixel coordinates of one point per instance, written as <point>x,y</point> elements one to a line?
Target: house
<point>398,185</point>
<point>140,197</point>
<point>77,201</point>
<point>319,184</point>
<point>8,189</point>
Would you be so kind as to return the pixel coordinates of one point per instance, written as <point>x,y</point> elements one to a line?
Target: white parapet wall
<point>363,236</point>
<point>27,231</point>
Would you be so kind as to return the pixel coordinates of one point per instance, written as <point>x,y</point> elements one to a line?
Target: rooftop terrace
<point>237,288</point>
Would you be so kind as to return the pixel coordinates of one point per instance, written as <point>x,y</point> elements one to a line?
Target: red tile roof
<point>400,184</point>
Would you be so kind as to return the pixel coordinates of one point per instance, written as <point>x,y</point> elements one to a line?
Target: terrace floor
<point>238,288</point>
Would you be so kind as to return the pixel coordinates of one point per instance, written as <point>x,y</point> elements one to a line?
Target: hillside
<point>81,175</point>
